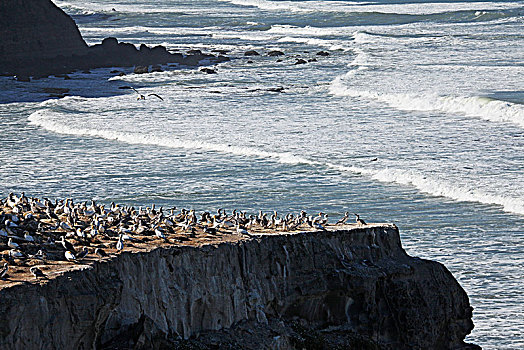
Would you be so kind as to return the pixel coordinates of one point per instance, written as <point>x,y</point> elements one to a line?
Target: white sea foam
<point>55,124</point>
<point>430,184</point>
<point>474,106</point>
<point>352,7</point>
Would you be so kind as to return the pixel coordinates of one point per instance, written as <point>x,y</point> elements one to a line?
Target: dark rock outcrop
<point>38,39</point>
<point>354,288</point>
<point>251,53</point>
<point>274,53</point>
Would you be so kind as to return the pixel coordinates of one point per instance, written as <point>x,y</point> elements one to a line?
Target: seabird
<point>12,244</point>
<point>67,245</point>
<point>70,256</point>
<point>28,237</point>
<point>140,96</point>
<point>4,270</point>
<point>359,221</point>
<point>37,272</point>
<point>100,252</point>
<point>344,219</point>
<point>120,243</point>
<point>83,253</point>
<point>13,253</point>
<point>242,231</point>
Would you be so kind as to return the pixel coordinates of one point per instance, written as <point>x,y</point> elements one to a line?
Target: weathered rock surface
<point>352,288</point>
<point>39,39</point>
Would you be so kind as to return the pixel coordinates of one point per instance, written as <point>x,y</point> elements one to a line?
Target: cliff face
<point>36,29</point>
<point>352,284</point>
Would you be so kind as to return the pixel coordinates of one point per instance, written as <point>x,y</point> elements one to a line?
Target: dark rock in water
<point>156,68</point>
<point>275,53</point>
<point>121,74</point>
<point>220,51</point>
<point>194,52</point>
<point>251,53</point>
<point>300,61</point>
<point>208,70</point>
<point>280,60</point>
<point>322,53</point>
<point>115,71</point>
<point>141,69</point>
<point>312,60</point>
<point>87,71</point>
<point>249,61</point>
<point>276,89</point>
<point>67,77</point>
<point>23,78</point>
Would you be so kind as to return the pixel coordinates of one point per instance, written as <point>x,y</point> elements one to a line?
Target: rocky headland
<point>148,279</point>
<point>39,39</point>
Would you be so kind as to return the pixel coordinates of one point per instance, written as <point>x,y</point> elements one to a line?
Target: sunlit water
<point>434,91</point>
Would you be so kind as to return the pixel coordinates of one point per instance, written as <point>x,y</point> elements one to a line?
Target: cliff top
<point>42,240</point>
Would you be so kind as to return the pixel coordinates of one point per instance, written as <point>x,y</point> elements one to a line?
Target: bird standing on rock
<point>83,253</point>
<point>70,256</point>
<point>120,243</point>
<point>12,244</point>
<point>67,245</point>
<point>37,272</point>
<point>344,219</point>
<point>100,252</point>
<point>4,270</point>
<point>359,221</point>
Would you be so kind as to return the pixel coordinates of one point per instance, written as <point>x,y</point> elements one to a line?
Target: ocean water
<point>433,90</point>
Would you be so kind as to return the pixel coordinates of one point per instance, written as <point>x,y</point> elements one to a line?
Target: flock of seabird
<point>38,231</point>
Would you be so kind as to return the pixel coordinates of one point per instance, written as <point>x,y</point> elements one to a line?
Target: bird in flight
<point>140,96</point>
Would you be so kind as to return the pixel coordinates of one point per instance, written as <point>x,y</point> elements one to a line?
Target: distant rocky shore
<point>39,39</point>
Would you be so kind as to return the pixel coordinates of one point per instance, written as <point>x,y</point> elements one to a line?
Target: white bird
<point>9,224</point>
<point>12,244</point>
<point>28,237</point>
<point>65,226</point>
<point>159,233</point>
<point>120,243</point>
<point>16,254</point>
<point>70,256</point>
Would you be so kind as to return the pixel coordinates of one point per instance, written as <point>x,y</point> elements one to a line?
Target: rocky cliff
<point>31,29</point>
<point>354,288</point>
<point>38,39</point>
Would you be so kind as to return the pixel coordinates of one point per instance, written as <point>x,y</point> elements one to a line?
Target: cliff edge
<point>349,288</point>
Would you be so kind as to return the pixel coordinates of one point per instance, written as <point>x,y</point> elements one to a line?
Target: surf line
<point>421,182</point>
